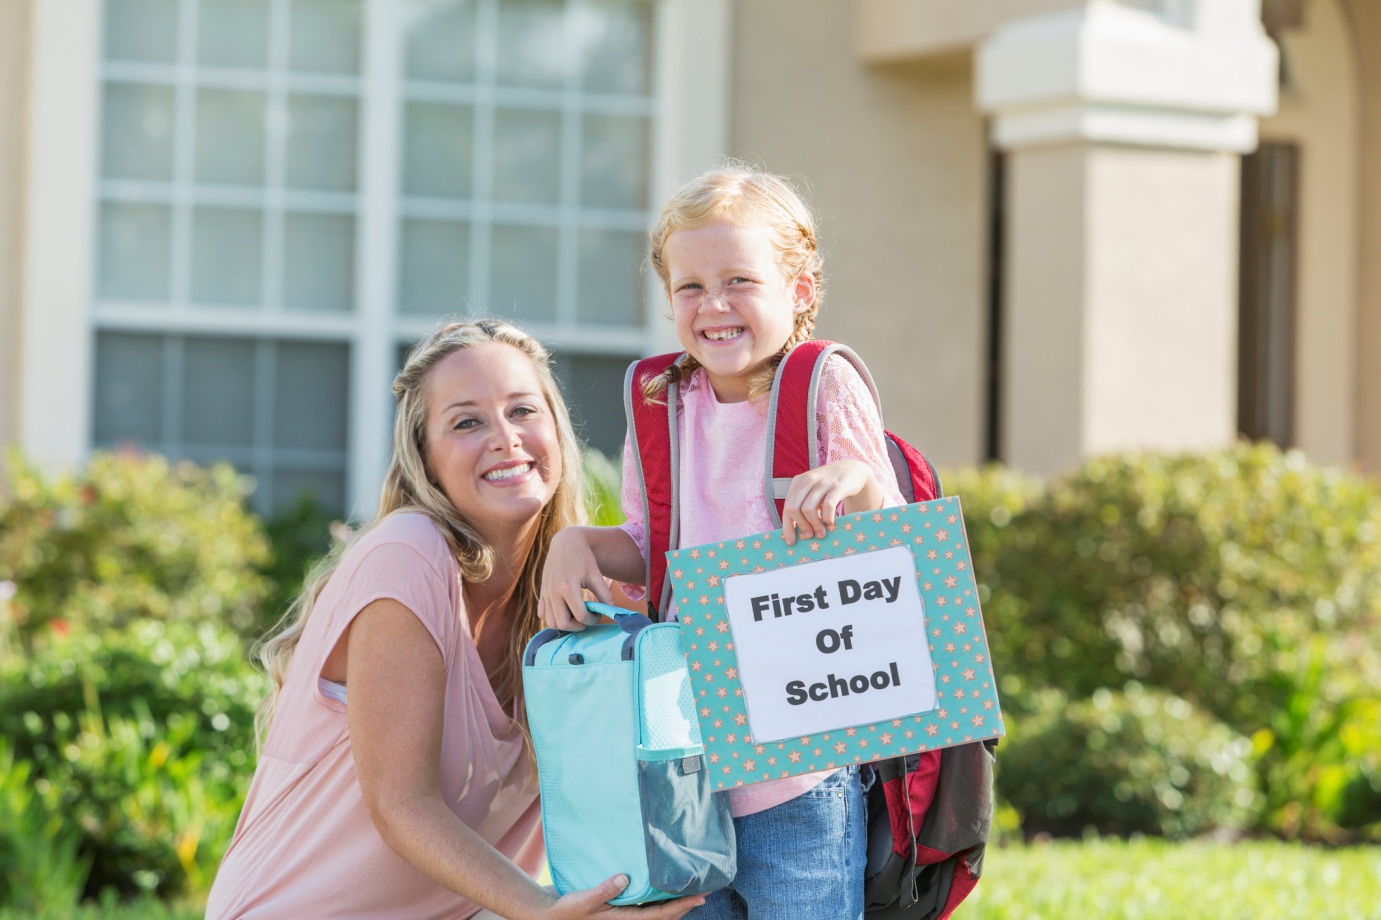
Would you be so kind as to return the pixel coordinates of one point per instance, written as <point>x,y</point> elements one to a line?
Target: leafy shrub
<point>1246,582</point>
<point>1139,761</point>
<point>129,537</point>
<point>146,738</point>
<point>39,867</point>
<point>603,488</point>
<point>1207,575</point>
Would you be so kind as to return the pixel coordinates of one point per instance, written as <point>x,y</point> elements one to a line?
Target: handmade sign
<point>860,646</point>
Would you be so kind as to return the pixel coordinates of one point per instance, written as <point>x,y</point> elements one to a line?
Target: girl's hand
<point>570,571</point>
<point>813,496</point>
<point>593,903</point>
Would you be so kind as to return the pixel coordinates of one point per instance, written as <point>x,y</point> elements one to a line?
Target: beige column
<point>1365,18</point>
<point>1122,129</point>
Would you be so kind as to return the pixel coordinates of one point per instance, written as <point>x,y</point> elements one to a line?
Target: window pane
<point>141,30</point>
<point>319,271</point>
<point>433,267</point>
<point>616,38</point>
<point>610,277</point>
<point>137,132</point>
<point>441,39</point>
<point>309,399</point>
<point>134,245</point>
<point>233,33</point>
<point>321,142</point>
<point>437,149</point>
<point>589,383</point>
<point>527,150</point>
<point>613,166</point>
<point>227,255</point>
<point>218,392</point>
<point>230,137</point>
<point>531,48</point>
<point>327,489</point>
<point>128,402</point>
<point>523,273</point>
<point>324,36</point>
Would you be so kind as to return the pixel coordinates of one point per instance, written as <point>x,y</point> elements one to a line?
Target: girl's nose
<point>713,301</point>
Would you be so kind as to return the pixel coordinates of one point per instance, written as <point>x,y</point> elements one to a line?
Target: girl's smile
<point>733,305</point>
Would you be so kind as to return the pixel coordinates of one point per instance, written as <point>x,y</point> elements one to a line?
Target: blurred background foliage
<point>1185,647</point>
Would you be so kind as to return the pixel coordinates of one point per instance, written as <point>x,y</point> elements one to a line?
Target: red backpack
<point>929,814</point>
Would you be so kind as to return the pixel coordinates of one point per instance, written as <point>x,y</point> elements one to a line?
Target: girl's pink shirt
<point>305,845</point>
<point>723,455</point>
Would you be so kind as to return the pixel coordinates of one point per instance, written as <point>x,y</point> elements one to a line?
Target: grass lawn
<point>1148,879</point>
<point>1104,880</point>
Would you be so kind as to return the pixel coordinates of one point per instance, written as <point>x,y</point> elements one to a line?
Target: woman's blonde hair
<point>745,198</point>
<point>408,487</point>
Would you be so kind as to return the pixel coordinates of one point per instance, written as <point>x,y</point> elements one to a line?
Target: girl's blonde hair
<point>745,198</point>
<point>408,487</point>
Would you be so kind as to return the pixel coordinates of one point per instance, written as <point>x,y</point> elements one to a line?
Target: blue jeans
<point>802,860</point>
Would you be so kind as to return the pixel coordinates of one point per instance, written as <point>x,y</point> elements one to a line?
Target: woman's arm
<point>397,692</point>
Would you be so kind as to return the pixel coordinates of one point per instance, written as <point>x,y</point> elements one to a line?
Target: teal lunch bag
<point>625,785</point>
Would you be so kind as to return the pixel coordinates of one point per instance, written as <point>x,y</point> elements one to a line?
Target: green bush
<point>1246,582</point>
<point>146,739</point>
<point>126,538</point>
<point>40,870</point>
<point>1207,575</point>
<point>1139,761</point>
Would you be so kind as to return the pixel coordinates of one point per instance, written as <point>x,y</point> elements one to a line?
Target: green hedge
<point>1139,761</point>
<point>1246,582</point>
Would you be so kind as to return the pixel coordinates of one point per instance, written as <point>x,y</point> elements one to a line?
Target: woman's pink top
<point>305,845</point>
<point>723,455</point>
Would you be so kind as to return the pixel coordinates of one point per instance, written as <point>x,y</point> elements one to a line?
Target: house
<point>1052,227</point>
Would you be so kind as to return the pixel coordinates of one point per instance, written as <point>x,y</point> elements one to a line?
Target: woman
<point>396,779</point>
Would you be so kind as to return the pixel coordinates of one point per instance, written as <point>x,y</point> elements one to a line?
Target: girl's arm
<point>397,692</point>
<point>579,559</point>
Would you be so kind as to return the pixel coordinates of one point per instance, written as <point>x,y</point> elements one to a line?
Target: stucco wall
<point>895,162</point>
<point>13,61</point>
<point>1318,111</point>
<point>1364,16</point>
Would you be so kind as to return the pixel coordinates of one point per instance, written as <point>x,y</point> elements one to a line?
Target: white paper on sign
<point>829,644</point>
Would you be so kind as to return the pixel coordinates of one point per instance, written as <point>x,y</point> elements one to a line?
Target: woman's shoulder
<point>409,530</point>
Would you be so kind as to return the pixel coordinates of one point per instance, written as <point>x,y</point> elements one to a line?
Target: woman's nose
<point>504,435</point>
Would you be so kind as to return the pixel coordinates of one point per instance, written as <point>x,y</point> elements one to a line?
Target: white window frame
<point>59,315</point>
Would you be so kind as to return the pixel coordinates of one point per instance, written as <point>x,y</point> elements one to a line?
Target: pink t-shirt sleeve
<point>634,525</point>
<point>400,565</point>
<point>849,427</point>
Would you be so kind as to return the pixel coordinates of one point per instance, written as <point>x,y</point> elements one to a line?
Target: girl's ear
<point>803,292</point>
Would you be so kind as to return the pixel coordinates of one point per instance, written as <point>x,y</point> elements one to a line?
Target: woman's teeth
<point>723,335</point>
<point>507,472</point>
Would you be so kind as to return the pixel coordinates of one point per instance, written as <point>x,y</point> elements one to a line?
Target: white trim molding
<point>1190,74</point>
<point>54,357</point>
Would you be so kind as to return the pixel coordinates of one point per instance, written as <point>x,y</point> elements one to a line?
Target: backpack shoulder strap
<point>793,444</point>
<point>652,440</point>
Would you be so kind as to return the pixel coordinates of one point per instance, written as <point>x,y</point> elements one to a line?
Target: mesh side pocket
<point>961,814</point>
<point>667,715</point>
<point>688,830</point>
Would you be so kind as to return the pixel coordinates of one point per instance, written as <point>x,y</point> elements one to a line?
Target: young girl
<point>737,252</point>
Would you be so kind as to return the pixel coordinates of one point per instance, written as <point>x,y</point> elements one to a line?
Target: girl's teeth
<point>508,473</point>
<point>721,336</point>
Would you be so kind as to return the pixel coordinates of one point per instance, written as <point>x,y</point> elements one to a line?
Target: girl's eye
<point>689,286</point>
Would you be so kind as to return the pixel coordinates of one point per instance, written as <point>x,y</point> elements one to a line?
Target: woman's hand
<point>814,494</point>
<point>570,570</point>
<point>593,902</point>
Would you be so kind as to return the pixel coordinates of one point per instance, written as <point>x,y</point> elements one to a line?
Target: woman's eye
<point>525,410</point>
<point>465,423</point>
